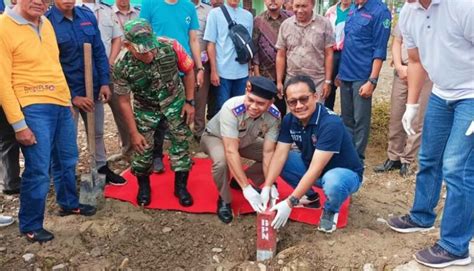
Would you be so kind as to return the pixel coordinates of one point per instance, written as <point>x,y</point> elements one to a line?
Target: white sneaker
<point>6,220</point>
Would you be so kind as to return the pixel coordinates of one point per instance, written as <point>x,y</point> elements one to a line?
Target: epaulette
<point>274,111</point>
<point>239,110</point>
<point>137,8</point>
<point>105,4</point>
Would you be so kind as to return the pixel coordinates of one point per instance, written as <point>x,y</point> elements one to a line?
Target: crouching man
<point>327,159</point>
<point>246,126</point>
<point>149,67</point>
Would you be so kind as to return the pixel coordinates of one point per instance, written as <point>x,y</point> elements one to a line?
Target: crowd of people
<point>172,63</point>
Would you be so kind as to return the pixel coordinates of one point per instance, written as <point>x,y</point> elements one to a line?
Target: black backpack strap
<point>227,16</point>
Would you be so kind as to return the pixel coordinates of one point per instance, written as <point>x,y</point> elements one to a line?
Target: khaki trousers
<point>401,146</point>
<point>214,147</point>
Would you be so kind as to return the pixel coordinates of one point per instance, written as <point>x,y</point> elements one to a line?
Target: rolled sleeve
<point>381,35</point>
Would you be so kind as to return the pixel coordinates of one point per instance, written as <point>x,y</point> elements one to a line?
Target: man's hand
<point>410,113</point>
<point>105,94</point>
<point>253,197</point>
<point>326,90</point>
<point>337,82</point>
<point>139,143</point>
<point>83,103</point>
<point>366,90</point>
<point>280,90</point>
<point>269,193</point>
<point>283,213</point>
<point>402,72</point>
<point>188,110</point>
<point>215,81</point>
<point>199,78</point>
<point>25,137</point>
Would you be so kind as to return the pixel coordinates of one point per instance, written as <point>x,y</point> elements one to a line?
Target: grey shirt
<point>232,121</point>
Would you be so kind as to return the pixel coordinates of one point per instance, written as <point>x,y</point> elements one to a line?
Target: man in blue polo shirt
<point>75,26</point>
<point>327,159</point>
<point>367,32</point>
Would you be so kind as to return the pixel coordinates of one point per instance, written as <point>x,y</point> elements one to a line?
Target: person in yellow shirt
<point>37,104</point>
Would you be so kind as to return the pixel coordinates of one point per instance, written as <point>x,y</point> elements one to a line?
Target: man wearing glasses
<point>37,104</point>
<point>327,157</point>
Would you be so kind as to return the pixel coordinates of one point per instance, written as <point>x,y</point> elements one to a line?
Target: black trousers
<point>329,103</point>
<point>9,155</point>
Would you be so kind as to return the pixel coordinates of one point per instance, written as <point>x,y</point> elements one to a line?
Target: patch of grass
<point>379,127</point>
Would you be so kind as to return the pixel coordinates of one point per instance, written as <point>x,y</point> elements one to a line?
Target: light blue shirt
<point>171,20</point>
<point>217,31</point>
<point>444,36</point>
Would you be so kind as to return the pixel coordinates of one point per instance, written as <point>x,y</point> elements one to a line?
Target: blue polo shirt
<point>171,20</point>
<point>366,32</point>
<point>71,36</point>
<point>2,6</point>
<point>325,132</point>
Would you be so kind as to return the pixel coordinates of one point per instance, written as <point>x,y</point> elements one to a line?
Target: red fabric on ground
<point>204,192</point>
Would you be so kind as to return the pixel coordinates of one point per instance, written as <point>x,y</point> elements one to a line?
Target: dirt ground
<point>121,236</point>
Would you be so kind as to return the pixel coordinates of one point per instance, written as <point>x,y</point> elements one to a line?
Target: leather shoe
<point>224,211</point>
<point>388,165</point>
<point>405,170</point>
<point>40,236</point>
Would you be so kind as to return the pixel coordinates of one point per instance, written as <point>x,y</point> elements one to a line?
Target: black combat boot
<point>143,197</point>
<point>180,190</point>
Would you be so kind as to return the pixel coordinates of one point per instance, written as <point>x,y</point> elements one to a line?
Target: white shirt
<point>444,36</point>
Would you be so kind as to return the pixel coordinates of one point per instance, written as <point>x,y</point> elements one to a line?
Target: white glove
<point>269,192</point>
<point>253,197</point>
<point>408,116</point>
<point>283,212</point>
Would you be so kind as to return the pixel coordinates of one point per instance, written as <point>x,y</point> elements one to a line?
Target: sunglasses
<point>302,100</point>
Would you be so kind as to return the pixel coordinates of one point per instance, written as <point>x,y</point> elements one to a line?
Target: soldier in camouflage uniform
<point>149,67</point>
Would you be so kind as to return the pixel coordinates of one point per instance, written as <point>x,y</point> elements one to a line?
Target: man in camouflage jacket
<point>149,67</point>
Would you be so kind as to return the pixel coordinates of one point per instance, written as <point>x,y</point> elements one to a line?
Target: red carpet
<point>204,192</point>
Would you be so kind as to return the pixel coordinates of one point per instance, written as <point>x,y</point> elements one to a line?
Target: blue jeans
<point>53,127</point>
<point>338,183</point>
<point>227,89</point>
<point>447,153</point>
<point>356,113</point>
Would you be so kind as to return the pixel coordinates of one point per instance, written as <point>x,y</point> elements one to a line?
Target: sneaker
<point>110,176</point>
<point>158,166</point>
<point>438,257</point>
<point>312,202</point>
<point>40,236</point>
<point>404,224</point>
<point>6,220</point>
<point>328,221</point>
<point>83,209</point>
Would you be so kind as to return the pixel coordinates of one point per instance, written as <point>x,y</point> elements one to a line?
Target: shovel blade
<point>92,190</point>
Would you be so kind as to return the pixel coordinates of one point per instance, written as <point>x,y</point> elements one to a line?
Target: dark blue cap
<point>262,87</point>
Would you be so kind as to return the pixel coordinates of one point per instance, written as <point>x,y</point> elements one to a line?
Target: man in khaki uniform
<point>246,126</point>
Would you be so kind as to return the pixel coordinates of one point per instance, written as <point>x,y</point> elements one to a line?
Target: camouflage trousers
<point>147,121</point>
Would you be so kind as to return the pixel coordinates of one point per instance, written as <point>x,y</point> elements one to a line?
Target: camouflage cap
<point>139,33</point>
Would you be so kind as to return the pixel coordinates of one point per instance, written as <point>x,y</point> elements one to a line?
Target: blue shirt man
<point>327,159</point>
<point>71,36</point>
<point>367,31</point>
<point>171,20</point>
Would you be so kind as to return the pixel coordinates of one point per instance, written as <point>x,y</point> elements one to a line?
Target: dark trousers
<point>9,155</point>
<point>329,102</point>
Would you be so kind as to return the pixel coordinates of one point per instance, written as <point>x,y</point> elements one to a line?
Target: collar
<point>267,16</point>
<point>231,8</point>
<point>369,5</point>
<point>312,20</point>
<point>19,19</point>
<point>58,16</point>
<point>417,5</point>
<point>117,10</point>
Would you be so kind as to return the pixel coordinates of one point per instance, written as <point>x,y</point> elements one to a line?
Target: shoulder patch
<point>274,112</point>
<point>239,110</point>
<point>105,4</point>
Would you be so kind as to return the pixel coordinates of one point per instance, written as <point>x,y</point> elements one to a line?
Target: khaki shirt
<point>125,17</point>
<point>108,25</point>
<point>202,12</point>
<point>232,121</point>
<point>305,47</point>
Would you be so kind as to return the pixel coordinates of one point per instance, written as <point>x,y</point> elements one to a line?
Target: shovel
<point>92,184</point>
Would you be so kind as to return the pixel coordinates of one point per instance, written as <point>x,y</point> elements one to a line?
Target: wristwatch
<point>329,82</point>
<point>374,81</point>
<point>293,201</point>
<point>191,102</point>
<point>201,69</point>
